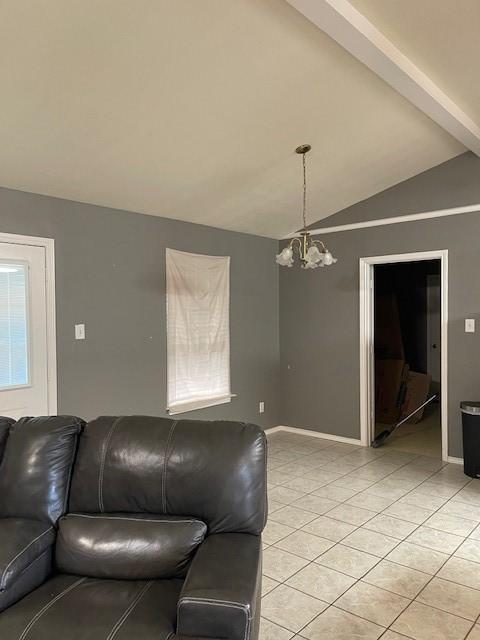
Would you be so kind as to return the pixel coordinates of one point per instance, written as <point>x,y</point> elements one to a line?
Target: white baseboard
<point>331,436</point>
<point>315,434</point>
<point>274,429</point>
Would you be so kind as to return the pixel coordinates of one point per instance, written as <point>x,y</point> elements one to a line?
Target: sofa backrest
<point>36,468</point>
<point>213,471</point>
<point>5,424</point>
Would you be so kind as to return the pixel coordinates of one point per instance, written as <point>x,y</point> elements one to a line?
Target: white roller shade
<point>198,330</point>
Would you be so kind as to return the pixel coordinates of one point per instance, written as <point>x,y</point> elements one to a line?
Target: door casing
<point>49,245</point>
<point>367,356</point>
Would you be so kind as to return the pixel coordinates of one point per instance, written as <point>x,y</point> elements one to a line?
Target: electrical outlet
<point>261,407</point>
<point>469,325</point>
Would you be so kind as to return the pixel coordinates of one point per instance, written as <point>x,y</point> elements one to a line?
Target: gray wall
<point>110,274</point>
<point>454,183</point>
<point>319,310</point>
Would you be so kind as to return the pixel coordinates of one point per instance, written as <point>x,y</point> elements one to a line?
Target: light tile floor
<point>368,543</point>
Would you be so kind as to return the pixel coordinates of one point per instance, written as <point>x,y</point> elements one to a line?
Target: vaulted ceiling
<point>442,37</point>
<point>192,109</point>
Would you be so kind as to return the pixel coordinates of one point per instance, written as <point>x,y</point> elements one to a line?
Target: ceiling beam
<point>381,222</point>
<point>347,26</point>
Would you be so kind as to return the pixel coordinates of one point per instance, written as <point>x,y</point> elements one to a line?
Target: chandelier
<point>312,253</point>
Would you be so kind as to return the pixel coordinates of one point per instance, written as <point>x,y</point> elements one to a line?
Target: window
<point>13,326</point>
<point>198,331</point>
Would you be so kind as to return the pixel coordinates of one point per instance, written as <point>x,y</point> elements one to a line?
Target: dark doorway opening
<point>407,345</point>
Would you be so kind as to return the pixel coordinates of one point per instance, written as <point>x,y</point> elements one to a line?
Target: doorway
<point>403,304</point>
<point>27,327</point>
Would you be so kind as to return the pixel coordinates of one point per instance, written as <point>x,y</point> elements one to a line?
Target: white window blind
<point>198,331</point>
<point>13,326</point>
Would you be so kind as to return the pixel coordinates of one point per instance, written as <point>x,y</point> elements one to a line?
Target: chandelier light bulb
<point>328,259</point>
<point>314,255</point>
<point>285,257</point>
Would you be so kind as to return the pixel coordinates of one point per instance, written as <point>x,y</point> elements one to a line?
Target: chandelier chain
<point>304,192</point>
<point>312,253</point>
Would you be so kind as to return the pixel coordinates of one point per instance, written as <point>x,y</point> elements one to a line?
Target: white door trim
<point>367,395</point>
<point>49,245</point>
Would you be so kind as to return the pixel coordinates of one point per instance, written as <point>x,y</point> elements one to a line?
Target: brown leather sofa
<point>131,528</point>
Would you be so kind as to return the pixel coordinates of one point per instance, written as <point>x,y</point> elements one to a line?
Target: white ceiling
<point>192,110</point>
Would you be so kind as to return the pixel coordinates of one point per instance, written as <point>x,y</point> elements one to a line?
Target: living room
<point>232,232</point>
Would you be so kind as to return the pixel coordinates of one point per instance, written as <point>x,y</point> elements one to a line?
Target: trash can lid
<point>473,408</point>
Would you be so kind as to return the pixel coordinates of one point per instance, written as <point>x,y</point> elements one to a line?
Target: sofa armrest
<point>221,594</point>
<point>25,557</point>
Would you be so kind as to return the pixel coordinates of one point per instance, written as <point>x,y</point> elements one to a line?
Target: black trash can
<point>471,438</point>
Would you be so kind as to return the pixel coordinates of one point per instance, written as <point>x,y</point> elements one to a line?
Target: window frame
<point>206,401</point>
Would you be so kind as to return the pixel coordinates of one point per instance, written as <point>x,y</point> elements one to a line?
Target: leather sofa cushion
<point>36,467</point>
<point>22,543</point>
<point>127,546</point>
<point>213,471</point>
<point>74,608</point>
<point>5,424</point>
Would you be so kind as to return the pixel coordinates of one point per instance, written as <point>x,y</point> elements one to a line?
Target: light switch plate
<point>469,325</point>
<point>79,332</point>
<point>261,407</point>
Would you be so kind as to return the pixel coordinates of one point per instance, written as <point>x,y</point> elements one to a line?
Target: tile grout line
<point>335,544</point>
<point>435,575</point>
<point>418,525</point>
